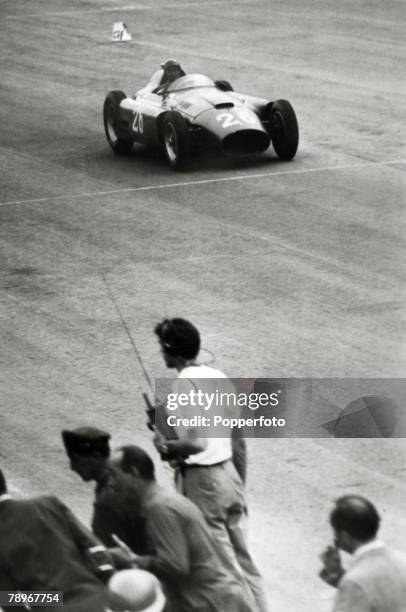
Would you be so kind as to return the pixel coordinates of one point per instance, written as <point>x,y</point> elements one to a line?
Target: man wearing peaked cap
<point>88,450</point>
<point>84,441</point>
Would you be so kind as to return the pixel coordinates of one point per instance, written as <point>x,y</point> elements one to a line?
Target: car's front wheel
<point>110,119</point>
<point>176,141</point>
<point>283,129</point>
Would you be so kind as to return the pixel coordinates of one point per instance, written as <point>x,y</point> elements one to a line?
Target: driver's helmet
<point>172,70</point>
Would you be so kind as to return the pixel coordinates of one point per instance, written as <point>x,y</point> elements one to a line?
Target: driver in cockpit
<point>160,80</point>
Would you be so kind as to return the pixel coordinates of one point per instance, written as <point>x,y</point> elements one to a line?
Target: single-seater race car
<point>195,113</point>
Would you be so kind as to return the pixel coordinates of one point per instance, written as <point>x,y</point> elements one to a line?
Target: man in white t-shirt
<point>207,476</point>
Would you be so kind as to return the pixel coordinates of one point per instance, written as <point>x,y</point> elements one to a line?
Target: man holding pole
<point>207,474</point>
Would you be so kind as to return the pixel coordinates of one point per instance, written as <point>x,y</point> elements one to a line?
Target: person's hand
<point>121,559</point>
<point>122,554</point>
<point>331,559</point>
<point>332,571</point>
<point>160,443</point>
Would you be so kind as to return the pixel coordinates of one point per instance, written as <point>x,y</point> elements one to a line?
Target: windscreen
<point>191,80</point>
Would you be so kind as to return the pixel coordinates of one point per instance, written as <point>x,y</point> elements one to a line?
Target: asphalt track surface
<point>289,269</point>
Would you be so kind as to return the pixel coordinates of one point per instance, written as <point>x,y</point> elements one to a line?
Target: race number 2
<point>237,117</point>
<point>138,123</point>
<point>228,120</point>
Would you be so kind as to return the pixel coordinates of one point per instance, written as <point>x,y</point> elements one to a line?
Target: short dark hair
<point>178,337</point>
<point>3,485</point>
<point>134,456</point>
<point>357,516</point>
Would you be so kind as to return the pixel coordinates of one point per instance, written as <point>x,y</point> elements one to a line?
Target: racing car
<point>194,113</point>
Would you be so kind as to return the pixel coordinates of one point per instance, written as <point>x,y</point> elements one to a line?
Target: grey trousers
<point>219,493</point>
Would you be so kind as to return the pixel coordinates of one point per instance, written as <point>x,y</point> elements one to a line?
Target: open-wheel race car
<point>195,113</point>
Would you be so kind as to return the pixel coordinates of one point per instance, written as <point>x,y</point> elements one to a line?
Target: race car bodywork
<point>195,113</point>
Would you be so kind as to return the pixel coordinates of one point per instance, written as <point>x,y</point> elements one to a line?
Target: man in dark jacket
<point>88,450</point>
<point>45,548</point>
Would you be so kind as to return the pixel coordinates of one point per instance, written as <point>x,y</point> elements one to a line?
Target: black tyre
<point>283,129</point>
<point>110,119</point>
<point>176,140</point>
<point>223,85</point>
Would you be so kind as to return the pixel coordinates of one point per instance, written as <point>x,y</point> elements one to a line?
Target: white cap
<point>135,590</point>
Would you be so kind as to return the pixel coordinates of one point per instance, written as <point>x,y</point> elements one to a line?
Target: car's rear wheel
<point>119,145</point>
<point>176,140</point>
<point>283,129</point>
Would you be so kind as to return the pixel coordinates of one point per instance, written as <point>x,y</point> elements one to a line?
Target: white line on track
<point>127,8</point>
<point>224,179</point>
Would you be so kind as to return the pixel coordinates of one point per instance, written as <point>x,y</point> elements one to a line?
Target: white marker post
<point>120,32</point>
